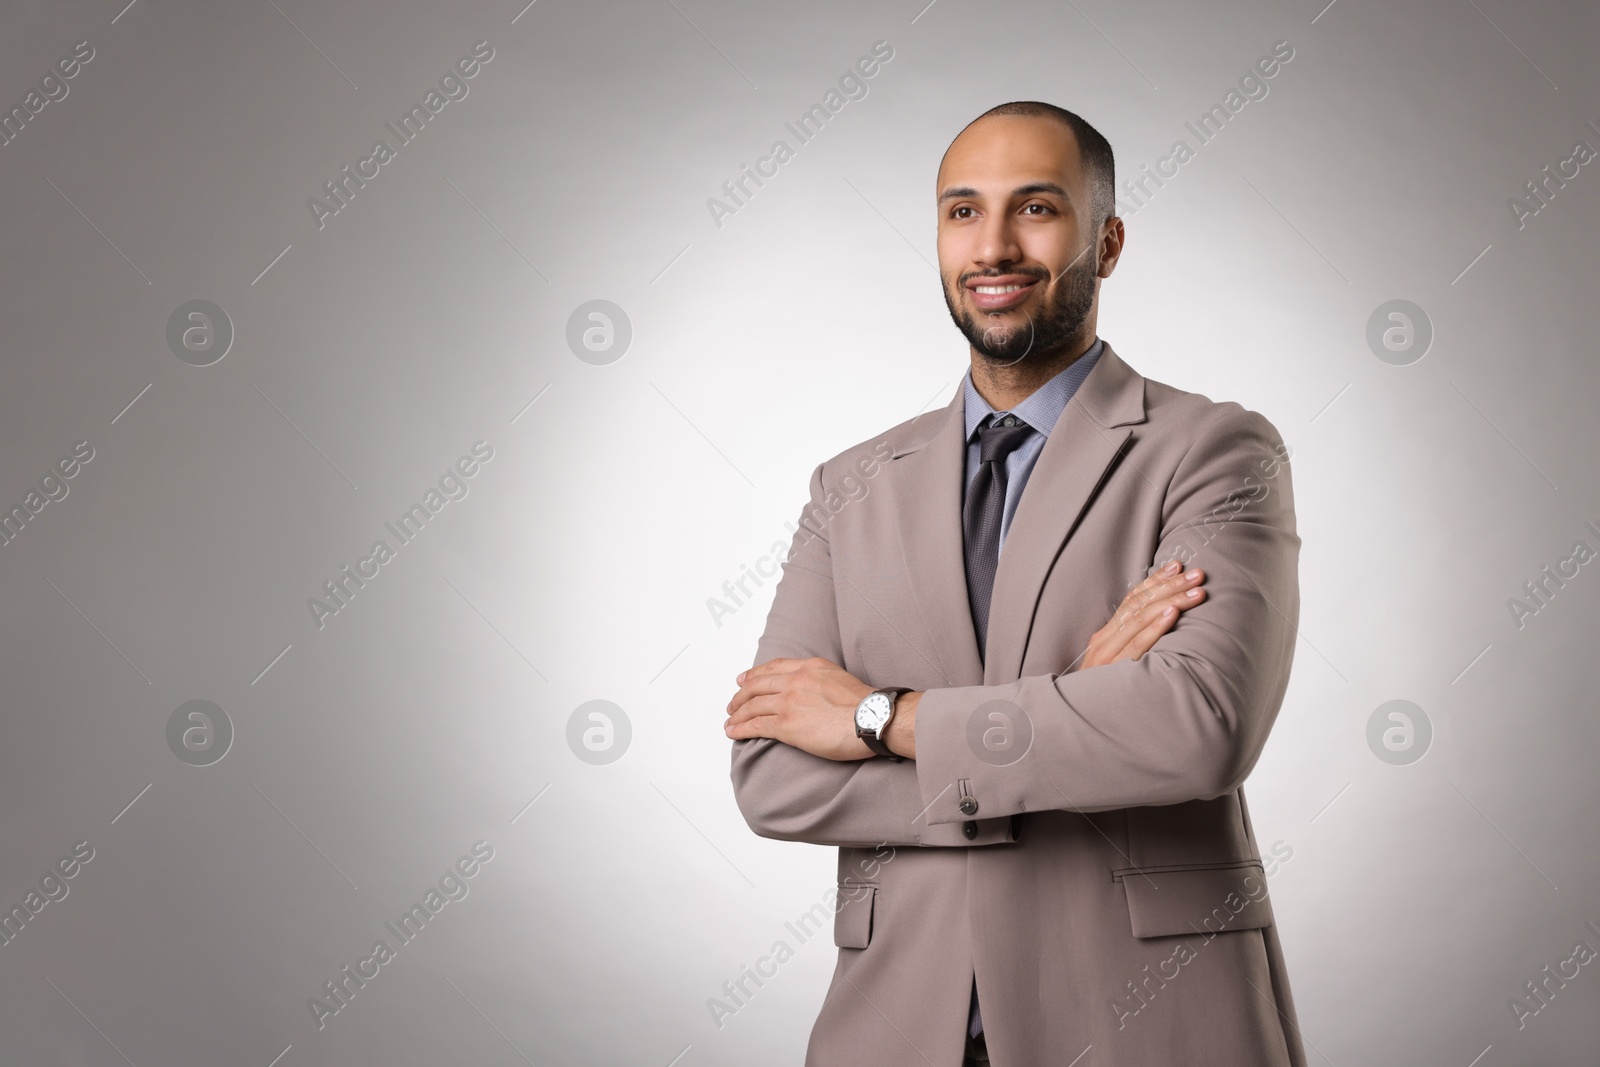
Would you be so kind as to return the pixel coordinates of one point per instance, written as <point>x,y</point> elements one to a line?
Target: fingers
<point>1178,602</point>
<point>1165,587</point>
<point>761,677</point>
<point>772,666</point>
<point>1140,619</point>
<point>1144,639</point>
<point>1163,583</point>
<point>757,685</point>
<point>745,730</point>
<point>764,706</point>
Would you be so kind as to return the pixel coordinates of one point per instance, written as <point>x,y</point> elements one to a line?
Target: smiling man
<point>1001,665</point>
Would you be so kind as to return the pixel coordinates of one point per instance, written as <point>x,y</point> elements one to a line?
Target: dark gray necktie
<point>982,512</point>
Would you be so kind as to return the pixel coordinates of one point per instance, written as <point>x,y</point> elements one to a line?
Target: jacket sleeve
<point>791,795</point>
<point>1186,721</point>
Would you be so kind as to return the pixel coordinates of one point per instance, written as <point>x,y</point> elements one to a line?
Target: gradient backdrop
<point>228,458</point>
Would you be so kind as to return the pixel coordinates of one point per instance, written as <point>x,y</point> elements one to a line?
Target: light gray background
<point>432,311</point>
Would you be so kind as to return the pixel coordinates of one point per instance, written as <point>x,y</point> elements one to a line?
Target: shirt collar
<point>1043,407</point>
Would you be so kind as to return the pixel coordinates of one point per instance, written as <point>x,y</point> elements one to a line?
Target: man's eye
<point>1041,207</point>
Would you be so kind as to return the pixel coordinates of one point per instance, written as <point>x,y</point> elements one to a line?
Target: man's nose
<point>997,243</point>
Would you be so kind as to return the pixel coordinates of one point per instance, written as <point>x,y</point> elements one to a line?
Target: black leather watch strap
<point>879,747</point>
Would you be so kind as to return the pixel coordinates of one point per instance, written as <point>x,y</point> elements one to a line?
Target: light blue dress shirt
<point>1041,410</point>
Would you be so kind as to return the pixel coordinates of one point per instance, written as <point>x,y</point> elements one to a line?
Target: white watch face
<point>873,711</point>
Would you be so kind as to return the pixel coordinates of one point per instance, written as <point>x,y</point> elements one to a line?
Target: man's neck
<point>1005,387</point>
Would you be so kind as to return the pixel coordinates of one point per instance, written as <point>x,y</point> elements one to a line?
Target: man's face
<point>1015,216</point>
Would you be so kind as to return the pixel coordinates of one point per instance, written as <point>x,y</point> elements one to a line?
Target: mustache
<point>1037,275</point>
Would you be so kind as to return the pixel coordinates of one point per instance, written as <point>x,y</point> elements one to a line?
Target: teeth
<point>995,290</point>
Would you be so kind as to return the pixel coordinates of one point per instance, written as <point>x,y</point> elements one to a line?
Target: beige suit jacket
<point>1077,839</point>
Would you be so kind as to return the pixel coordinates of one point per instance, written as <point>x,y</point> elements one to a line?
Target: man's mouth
<point>998,294</point>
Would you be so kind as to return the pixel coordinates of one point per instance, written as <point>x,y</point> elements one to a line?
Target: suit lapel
<point>1075,459</point>
<point>926,495</point>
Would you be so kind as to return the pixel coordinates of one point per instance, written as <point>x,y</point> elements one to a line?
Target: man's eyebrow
<point>961,192</point>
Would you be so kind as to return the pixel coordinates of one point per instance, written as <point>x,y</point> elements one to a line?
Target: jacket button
<point>969,828</point>
<point>969,806</point>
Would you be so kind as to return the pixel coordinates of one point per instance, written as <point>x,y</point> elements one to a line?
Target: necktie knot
<point>997,439</point>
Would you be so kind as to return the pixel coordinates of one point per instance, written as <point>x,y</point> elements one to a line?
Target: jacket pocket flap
<point>1196,900</point>
<point>852,923</point>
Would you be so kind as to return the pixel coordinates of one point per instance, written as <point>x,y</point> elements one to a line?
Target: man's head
<point>1026,197</point>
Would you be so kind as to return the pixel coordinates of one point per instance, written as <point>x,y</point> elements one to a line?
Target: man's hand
<point>807,703</point>
<point>1146,613</point>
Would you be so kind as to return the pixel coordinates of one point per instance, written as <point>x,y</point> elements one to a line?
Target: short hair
<point>1094,151</point>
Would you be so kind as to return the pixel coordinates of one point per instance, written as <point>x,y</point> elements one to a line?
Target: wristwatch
<point>873,716</point>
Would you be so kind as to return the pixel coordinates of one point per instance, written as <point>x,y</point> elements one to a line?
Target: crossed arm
<point>1164,720</point>
<point>810,703</point>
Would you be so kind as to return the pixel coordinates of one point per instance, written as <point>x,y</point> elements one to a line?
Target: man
<point>1045,856</point>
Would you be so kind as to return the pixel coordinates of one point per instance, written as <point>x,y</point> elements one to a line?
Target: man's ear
<point>1109,246</point>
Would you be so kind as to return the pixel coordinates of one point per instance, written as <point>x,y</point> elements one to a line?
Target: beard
<point>1057,324</point>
